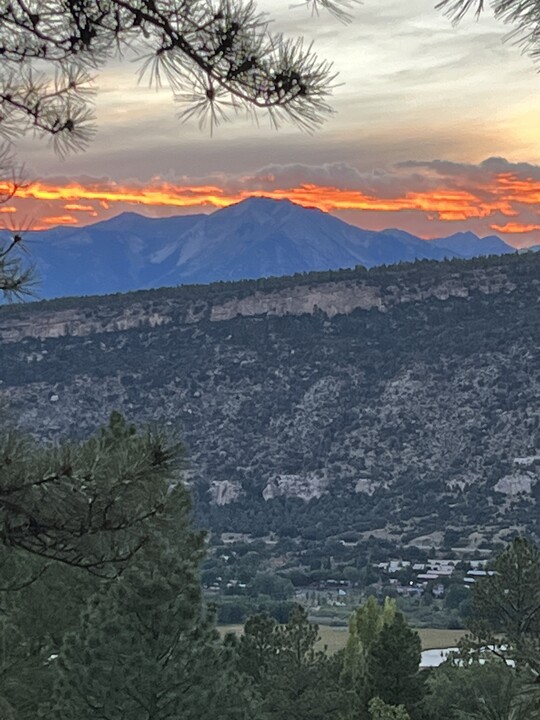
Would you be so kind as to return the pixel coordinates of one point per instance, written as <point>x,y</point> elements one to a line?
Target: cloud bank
<point>429,198</point>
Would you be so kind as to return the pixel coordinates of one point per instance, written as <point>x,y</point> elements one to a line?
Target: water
<point>434,658</point>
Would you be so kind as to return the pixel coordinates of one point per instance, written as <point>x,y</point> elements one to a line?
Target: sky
<point>435,131</point>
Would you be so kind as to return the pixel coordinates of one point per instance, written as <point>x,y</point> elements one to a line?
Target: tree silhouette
<point>214,56</point>
<point>522,15</point>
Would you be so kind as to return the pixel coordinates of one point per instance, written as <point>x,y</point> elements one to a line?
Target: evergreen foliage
<point>35,615</point>
<point>490,691</point>
<point>291,678</point>
<point>211,56</point>
<point>16,276</point>
<point>382,656</point>
<point>99,561</point>
<point>496,673</point>
<point>147,649</point>
<point>506,607</point>
<point>395,664</point>
<point>521,15</point>
<point>87,504</point>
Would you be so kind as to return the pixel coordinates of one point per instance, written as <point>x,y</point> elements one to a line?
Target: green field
<point>334,638</point>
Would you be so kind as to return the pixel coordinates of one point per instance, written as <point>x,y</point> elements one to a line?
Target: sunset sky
<point>436,131</point>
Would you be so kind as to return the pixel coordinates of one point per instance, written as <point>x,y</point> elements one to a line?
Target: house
<point>428,576</point>
<point>474,575</point>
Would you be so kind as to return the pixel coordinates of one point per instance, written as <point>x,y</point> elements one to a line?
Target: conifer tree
<point>40,602</point>
<point>489,691</point>
<point>34,618</point>
<point>74,519</point>
<point>521,15</point>
<point>147,648</point>
<point>506,607</point>
<point>496,673</point>
<point>215,57</point>
<point>16,276</point>
<point>86,504</point>
<point>291,678</point>
<point>395,664</point>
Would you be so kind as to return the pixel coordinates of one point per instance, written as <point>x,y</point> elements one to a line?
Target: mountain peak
<point>469,245</point>
<point>264,201</point>
<point>262,205</point>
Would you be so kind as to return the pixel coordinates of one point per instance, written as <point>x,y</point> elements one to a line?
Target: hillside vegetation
<point>400,401</point>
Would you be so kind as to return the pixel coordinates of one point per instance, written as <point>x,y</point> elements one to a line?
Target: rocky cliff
<point>77,317</point>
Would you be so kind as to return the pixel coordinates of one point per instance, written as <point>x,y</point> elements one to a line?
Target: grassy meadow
<point>334,638</point>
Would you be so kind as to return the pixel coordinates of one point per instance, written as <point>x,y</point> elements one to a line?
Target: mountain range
<point>255,238</point>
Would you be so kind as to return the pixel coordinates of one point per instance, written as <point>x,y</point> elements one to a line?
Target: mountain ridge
<point>258,237</point>
<point>405,406</point>
<point>328,292</point>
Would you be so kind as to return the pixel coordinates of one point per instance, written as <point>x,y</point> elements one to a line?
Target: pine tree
<point>71,518</point>
<point>34,618</point>
<point>86,504</point>
<point>395,664</point>
<point>506,606</point>
<point>291,678</point>
<point>16,276</point>
<point>521,15</point>
<point>147,648</point>
<point>213,56</point>
<point>488,691</point>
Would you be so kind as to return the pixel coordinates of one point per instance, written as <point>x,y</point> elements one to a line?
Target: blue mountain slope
<point>469,245</point>
<point>255,238</point>
<point>107,257</point>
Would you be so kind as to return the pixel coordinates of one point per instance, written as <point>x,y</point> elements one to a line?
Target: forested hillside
<point>400,401</point>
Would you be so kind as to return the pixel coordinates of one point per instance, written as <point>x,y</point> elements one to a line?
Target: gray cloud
<point>413,86</point>
<point>483,171</point>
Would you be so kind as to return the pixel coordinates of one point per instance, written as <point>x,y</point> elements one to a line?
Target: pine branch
<point>522,15</point>
<point>91,505</point>
<point>213,56</point>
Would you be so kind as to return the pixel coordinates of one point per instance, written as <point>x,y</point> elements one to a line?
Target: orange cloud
<point>515,228</point>
<point>449,193</point>
<point>7,209</point>
<point>58,220</point>
<point>520,190</point>
<point>447,204</point>
<point>162,195</point>
<point>75,207</point>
